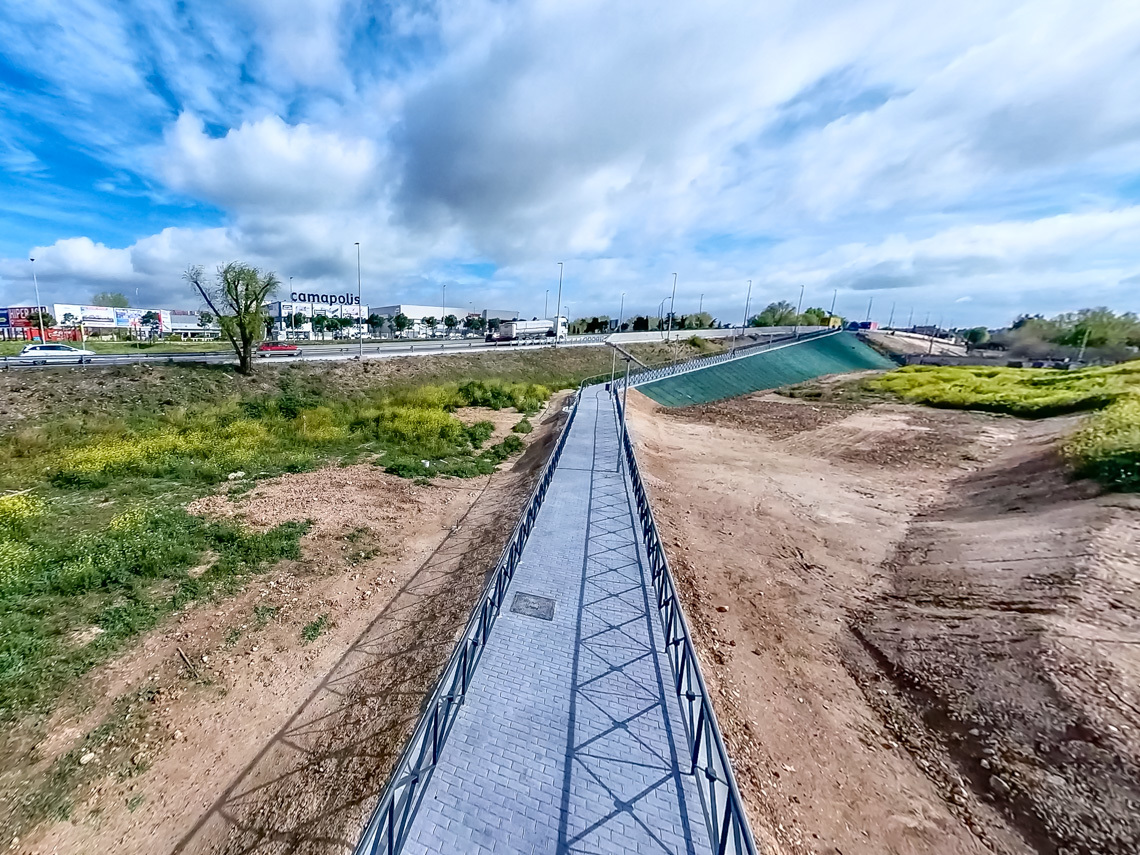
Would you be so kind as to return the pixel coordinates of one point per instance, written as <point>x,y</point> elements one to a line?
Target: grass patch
<point>120,579</point>
<point>1106,447</point>
<point>1025,392</point>
<point>314,629</point>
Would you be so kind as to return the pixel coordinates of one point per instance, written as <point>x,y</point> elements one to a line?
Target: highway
<point>310,352</point>
<point>317,351</point>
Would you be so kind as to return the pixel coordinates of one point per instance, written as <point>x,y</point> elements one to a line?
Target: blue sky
<point>969,159</point>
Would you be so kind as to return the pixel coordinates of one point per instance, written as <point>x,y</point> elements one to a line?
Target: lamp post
<point>870,302</point>
<point>661,312</point>
<point>701,305</point>
<point>891,319</point>
<point>672,306</point>
<point>443,308</point>
<point>799,305</point>
<point>359,303</point>
<point>613,362</point>
<point>558,303</point>
<point>546,305</point>
<point>747,303</point>
<point>39,306</point>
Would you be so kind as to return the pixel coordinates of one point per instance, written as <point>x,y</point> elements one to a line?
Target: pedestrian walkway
<point>570,739</point>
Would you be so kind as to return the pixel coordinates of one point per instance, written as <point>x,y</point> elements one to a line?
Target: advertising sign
<point>91,316</point>
<point>18,315</point>
<point>3,316</point>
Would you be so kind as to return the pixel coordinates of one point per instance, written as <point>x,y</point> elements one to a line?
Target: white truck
<point>518,332</point>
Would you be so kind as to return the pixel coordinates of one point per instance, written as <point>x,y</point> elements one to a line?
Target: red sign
<point>18,315</point>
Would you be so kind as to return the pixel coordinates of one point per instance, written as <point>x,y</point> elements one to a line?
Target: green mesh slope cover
<point>795,363</point>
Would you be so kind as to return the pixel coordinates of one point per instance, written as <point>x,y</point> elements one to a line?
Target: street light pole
<point>834,294</point>
<point>557,303</point>
<point>747,301</point>
<point>613,362</point>
<point>546,305</point>
<point>39,307</point>
<point>359,303</point>
<point>799,305</point>
<point>891,319</point>
<point>672,307</point>
<point>701,305</point>
<point>870,302</point>
<point>443,308</point>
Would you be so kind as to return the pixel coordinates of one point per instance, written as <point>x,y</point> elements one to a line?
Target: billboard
<point>3,316</point>
<point>90,316</point>
<point>18,315</point>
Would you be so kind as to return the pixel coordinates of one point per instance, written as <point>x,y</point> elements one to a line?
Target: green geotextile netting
<point>834,354</point>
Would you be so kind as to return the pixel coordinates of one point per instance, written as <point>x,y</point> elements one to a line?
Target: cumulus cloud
<point>928,152</point>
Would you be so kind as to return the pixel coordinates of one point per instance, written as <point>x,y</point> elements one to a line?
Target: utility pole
<point>747,301</point>
<point>613,362</point>
<point>1084,344</point>
<point>39,306</point>
<point>557,323</point>
<point>799,305</point>
<point>672,303</point>
<point>359,302</point>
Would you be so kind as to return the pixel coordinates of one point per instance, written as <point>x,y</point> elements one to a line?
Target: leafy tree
<point>236,297</point>
<point>429,322</point>
<point>451,322</point>
<point>112,299</point>
<point>976,336</point>
<point>69,320</point>
<point>151,322</point>
<point>320,324</point>
<point>401,322</point>
<point>781,314</point>
<point>205,319</point>
<point>641,324</point>
<point>295,320</point>
<point>376,323</point>
<point>34,319</point>
<point>813,317</point>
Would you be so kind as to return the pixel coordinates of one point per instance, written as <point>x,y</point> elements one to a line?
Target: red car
<point>269,348</point>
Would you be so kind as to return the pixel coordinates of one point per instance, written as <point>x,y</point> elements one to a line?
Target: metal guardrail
<point>391,820</point>
<point>724,811</point>
<point>652,374</point>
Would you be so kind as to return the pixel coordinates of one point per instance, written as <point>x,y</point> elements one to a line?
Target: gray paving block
<point>570,739</point>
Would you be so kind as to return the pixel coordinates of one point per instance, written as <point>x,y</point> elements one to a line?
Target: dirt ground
<point>921,635</point>
<point>268,722</point>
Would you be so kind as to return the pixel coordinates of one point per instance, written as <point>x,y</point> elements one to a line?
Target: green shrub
<point>523,426</point>
<point>1027,392</point>
<point>480,432</point>
<point>1107,446</point>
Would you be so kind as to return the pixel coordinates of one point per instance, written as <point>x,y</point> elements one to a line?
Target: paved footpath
<point>570,739</point>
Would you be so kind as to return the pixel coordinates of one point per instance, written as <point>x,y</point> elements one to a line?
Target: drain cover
<point>533,605</point>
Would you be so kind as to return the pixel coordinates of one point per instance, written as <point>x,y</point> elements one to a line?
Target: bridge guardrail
<point>728,824</point>
<point>391,820</point>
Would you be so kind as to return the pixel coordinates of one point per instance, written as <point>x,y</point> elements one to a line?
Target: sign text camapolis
<point>327,299</point>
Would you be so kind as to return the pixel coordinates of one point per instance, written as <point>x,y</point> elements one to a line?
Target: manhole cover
<point>533,605</point>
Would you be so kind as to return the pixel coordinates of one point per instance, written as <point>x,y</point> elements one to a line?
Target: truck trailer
<point>517,332</point>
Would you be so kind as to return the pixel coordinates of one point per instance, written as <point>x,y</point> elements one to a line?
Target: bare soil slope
<point>865,649</point>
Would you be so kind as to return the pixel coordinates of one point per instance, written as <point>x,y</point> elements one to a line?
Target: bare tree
<point>235,297</point>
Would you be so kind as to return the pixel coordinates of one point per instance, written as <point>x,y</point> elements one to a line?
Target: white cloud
<point>268,165</point>
<point>978,149</point>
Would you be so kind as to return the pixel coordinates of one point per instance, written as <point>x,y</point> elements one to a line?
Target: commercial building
<point>286,316</point>
<point>416,314</point>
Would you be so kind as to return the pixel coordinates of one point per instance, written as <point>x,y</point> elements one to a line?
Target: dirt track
<point>274,745</point>
<point>929,637</point>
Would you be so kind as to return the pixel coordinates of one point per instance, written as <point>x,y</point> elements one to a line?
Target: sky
<point>962,160</point>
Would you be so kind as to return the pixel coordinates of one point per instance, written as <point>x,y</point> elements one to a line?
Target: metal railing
<point>391,820</point>
<point>657,373</point>
<point>728,825</point>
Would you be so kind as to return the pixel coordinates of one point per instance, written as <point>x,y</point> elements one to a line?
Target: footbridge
<point>572,717</point>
